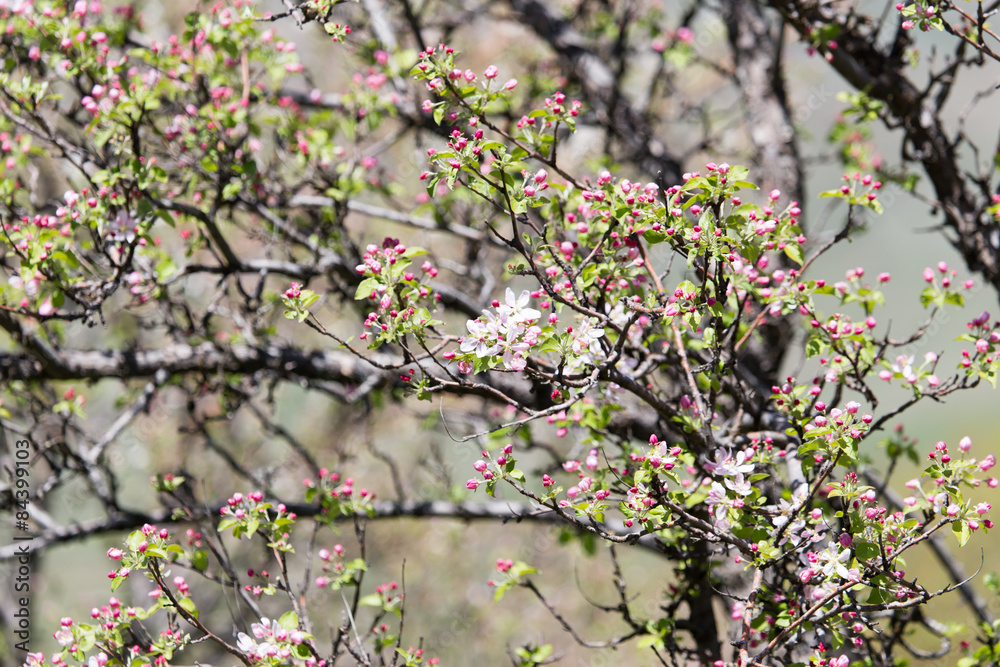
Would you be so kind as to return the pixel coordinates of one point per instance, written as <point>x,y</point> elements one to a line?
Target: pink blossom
<point>491,72</point>
<point>511,84</point>
<point>46,308</point>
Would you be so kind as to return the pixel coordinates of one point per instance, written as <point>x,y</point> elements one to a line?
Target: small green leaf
<point>188,605</point>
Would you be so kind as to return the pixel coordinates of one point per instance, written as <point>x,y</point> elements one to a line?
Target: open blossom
<point>726,466</point>
<point>834,560</point>
<point>514,350</point>
<point>904,366</point>
<point>786,508</point>
<point>516,307</point>
<point>720,504</point>
<point>504,333</point>
<point>482,337</point>
<point>122,228</point>
<point>635,495</point>
<point>585,338</point>
<point>739,484</point>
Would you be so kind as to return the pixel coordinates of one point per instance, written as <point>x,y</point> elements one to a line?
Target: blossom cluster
<point>278,642</point>
<point>509,333</point>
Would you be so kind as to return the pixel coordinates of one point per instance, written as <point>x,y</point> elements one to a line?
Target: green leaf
<point>794,252</point>
<point>654,236</point>
<point>188,605</point>
<point>878,596</point>
<point>962,532</point>
<point>815,346</point>
<point>289,620</point>
<point>199,560</point>
<point>227,523</point>
<point>366,287</point>
<point>866,550</point>
<point>650,641</point>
